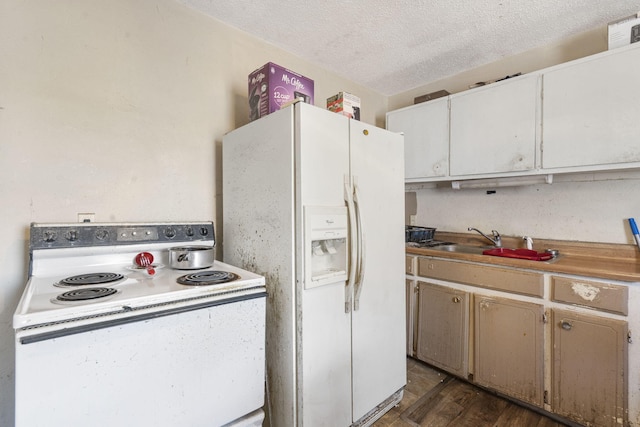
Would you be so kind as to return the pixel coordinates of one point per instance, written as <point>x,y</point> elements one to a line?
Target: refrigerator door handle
<point>360,257</point>
<point>348,197</point>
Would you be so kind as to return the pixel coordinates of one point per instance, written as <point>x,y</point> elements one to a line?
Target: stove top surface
<point>45,301</point>
<point>72,281</point>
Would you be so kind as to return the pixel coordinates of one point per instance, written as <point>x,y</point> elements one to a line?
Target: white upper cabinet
<point>493,129</point>
<point>426,135</point>
<point>581,116</point>
<point>591,111</point>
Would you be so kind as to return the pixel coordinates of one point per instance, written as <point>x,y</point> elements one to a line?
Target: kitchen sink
<point>465,249</point>
<point>499,252</point>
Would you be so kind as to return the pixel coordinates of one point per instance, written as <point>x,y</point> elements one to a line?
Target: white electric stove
<point>102,341</point>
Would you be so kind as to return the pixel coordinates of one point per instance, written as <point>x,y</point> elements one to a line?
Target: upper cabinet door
<point>493,129</point>
<point>426,138</point>
<point>591,110</point>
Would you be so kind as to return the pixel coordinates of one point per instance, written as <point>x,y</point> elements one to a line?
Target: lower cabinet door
<point>443,331</point>
<point>589,374</point>
<point>509,347</point>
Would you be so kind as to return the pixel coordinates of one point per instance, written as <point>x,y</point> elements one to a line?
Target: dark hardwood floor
<point>433,398</point>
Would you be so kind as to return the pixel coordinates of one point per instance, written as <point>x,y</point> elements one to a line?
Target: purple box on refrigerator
<point>272,86</point>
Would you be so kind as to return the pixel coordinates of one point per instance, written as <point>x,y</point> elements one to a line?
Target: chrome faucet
<point>496,240</point>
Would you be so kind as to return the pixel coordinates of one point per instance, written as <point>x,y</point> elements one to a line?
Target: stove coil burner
<point>205,278</point>
<point>91,279</point>
<point>84,294</point>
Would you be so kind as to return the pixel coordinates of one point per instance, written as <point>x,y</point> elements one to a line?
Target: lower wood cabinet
<point>443,332</point>
<point>563,349</point>
<point>509,347</point>
<point>589,371</point>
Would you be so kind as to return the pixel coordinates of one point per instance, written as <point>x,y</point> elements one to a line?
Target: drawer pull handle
<point>566,325</point>
<point>456,299</point>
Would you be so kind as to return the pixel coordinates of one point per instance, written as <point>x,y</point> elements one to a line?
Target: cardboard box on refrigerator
<point>346,104</point>
<point>624,31</point>
<point>271,87</point>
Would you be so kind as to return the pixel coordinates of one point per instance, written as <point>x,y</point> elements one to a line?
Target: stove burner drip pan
<point>91,279</point>
<point>206,278</point>
<point>84,294</point>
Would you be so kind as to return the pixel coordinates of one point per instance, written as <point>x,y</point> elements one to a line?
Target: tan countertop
<point>598,260</point>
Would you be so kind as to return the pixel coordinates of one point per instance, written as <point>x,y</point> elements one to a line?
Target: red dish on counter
<point>519,253</point>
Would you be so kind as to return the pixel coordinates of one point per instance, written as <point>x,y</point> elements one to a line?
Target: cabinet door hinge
<point>545,317</point>
<point>629,340</point>
<point>545,396</point>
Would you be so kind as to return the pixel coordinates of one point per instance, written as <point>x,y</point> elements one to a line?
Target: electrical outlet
<point>412,220</point>
<point>86,217</point>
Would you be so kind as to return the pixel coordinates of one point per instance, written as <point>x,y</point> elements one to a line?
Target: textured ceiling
<point>392,46</point>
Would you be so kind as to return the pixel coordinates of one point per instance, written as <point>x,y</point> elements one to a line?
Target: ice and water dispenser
<point>326,245</point>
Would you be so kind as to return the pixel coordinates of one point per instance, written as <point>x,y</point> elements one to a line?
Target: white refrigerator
<point>314,201</point>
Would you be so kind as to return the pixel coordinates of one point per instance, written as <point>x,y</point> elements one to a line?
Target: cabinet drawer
<point>598,295</point>
<point>519,282</point>
<point>410,267</point>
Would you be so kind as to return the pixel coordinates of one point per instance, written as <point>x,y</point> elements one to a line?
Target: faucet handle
<point>497,238</point>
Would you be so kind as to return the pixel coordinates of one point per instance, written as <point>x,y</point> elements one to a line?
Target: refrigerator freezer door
<point>378,324</point>
<point>324,329</point>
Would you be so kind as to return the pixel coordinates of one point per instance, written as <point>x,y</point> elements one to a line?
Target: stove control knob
<point>170,233</point>
<point>189,231</point>
<point>50,236</point>
<point>71,235</point>
<point>204,231</point>
<point>102,234</point>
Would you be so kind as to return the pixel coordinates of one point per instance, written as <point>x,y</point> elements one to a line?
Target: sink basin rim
<point>478,250</point>
<point>459,248</point>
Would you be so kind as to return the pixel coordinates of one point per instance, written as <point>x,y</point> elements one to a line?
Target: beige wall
<point>119,107</point>
<point>589,208</point>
